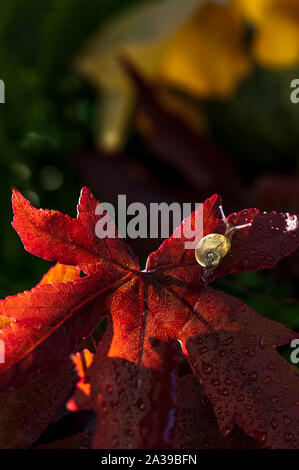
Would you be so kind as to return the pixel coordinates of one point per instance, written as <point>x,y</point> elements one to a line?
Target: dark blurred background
<point>159,100</point>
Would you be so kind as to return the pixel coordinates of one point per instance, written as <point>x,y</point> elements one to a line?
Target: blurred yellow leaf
<point>252,10</point>
<point>207,55</point>
<point>276,23</point>
<point>196,46</point>
<point>276,43</point>
<point>142,34</point>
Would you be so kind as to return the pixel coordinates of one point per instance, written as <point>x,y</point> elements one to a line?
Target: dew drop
<point>140,405</point>
<point>274,423</point>
<point>215,382</point>
<point>228,341</point>
<point>280,409</point>
<point>207,368</point>
<point>202,350</point>
<point>260,436</point>
<point>118,379</point>
<point>223,391</point>
<point>287,420</point>
<point>225,431</point>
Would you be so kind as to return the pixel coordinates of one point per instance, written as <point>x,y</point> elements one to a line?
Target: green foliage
<point>260,123</point>
<point>68,24</point>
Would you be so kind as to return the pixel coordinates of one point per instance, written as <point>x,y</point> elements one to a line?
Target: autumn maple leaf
<point>27,411</point>
<point>198,427</point>
<point>133,379</point>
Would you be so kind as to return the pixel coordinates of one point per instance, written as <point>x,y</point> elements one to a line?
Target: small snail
<point>213,247</point>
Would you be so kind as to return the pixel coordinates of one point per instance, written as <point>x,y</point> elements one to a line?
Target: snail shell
<point>211,249</point>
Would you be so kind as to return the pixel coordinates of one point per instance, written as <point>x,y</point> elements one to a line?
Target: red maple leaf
<point>198,427</point>
<point>27,411</point>
<point>133,378</point>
